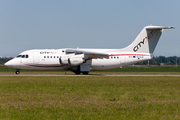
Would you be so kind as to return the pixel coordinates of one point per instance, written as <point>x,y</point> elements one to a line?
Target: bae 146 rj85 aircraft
<point>84,60</point>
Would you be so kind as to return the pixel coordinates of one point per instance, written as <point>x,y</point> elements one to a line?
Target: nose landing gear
<point>17,72</point>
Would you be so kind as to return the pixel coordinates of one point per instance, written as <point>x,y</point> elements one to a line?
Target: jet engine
<point>74,61</point>
<point>64,61</point>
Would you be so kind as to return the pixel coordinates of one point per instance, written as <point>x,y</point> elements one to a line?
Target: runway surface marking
<point>146,75</point>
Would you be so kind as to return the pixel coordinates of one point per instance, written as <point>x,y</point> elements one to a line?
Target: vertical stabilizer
<point>147,40</point>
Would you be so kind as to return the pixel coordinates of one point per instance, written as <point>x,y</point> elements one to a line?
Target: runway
<point>73,75</point>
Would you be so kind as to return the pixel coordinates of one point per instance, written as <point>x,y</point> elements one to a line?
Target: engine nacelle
<point>74,61</point>
<point>64,61</point>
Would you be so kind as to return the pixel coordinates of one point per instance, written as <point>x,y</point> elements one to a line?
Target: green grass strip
<point>95,98</point>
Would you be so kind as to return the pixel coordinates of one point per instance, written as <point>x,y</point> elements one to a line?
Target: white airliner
<point>84,60</point>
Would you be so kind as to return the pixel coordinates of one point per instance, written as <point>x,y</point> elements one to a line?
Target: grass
<point>25,97</point>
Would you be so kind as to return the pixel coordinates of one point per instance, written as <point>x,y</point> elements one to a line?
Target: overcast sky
<point>55,24</point>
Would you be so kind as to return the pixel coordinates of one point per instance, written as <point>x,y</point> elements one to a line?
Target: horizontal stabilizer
<point>157,27</point>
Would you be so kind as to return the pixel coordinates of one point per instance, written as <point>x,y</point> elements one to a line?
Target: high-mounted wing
<point>87,53</point>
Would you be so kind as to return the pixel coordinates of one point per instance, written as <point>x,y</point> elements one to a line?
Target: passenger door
<point>35,57</point>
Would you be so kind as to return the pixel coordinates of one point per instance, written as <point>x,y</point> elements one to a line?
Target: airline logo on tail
<point>136,48</point>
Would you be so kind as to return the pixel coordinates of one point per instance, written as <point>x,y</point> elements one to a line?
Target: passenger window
<point>57,56</point>
<point>114,57</point>
<point>51,56</point>
<point>54,56</point>
<point>111,57</point>
<point>44,56</point>
<point>117,57</point>
<point>47,56</point>
<point>27,56</point>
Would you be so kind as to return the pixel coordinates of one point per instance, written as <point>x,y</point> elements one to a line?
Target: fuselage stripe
<point>129,55</point>
<point>43,65</point>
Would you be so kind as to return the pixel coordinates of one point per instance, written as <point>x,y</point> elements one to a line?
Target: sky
<point>108,24</point>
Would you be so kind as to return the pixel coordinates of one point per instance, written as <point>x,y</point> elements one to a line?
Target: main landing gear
<point>85,73</point>
<point>84,69</point>
<point>78,73</point>
<point>17,72</point>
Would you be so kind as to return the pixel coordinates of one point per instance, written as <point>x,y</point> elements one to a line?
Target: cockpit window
<point>19,56</point>
<point>22,56</point>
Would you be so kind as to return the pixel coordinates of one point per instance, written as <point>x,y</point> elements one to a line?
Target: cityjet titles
<point>46,52</point>
<point>136,48</point>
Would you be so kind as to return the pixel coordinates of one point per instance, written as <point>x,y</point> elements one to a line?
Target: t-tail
<point>147,40</point>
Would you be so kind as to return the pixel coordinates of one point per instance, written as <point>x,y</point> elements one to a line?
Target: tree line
<point>162,59</point>
<point>3,60</point>
<point>155,61</point>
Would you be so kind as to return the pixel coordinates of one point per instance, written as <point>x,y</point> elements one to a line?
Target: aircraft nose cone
<point>7,64</point>
<point>13,64</point>
<point>10,64</point>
